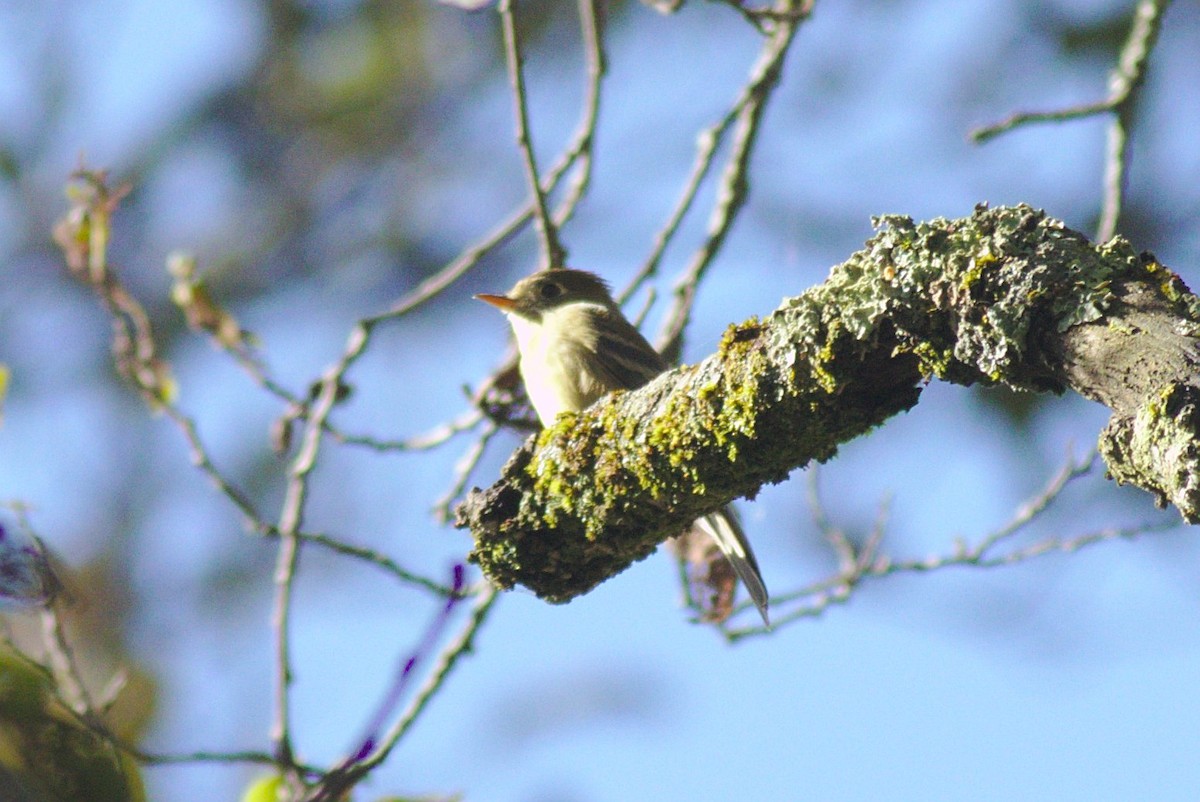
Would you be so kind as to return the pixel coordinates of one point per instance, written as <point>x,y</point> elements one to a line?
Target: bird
<point>576,346</point>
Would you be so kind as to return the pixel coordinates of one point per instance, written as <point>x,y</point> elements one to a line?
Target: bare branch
<point>585,132</point>
<point>856,567</point>
<point>552,250</point>
<point>1123,85</point>
<point>336,782</point>
<point>745,118</point>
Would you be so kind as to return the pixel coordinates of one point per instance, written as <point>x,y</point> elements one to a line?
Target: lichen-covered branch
<point>1007,296</point>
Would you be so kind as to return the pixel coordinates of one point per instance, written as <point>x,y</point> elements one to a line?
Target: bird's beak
<point>502,302</point>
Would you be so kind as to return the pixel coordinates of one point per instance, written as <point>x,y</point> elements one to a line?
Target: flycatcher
<point>577,346</point>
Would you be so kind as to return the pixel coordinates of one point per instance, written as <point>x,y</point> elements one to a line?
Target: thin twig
<point>463,469</point>
<point>256,523</point>
<point>1123,84</point>
<point>856,565</point>
<point>375,558</point>
<point>577,152</point>
<point>706,148</point>
<point>465,421</point>
<point>368,742</point>
<point>1116,165</point>
<point>552,250</point>
<point>981,135</point>
<point>501,233</point>
<point>819,597</point>
<point>206,316</point>
<point>734,184</point>
<point>1027,512</point>
<point>764,18</point>
<point>707,143</point>
<point>290,521</point>
<point>336,782</point>
<point>836,537</point>
<point>205,756</point>
<point>595,67</point>
<point>61,657</point>
<point>203,462</point>
<point>437,677</point>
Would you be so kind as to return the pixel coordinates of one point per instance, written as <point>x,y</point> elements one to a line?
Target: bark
<point>1006,296</point>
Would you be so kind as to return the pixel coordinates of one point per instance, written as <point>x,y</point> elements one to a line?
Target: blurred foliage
<point>264,789</point>
<point>1095,36</point>
<point>94,609</point>
<point>46,754</point>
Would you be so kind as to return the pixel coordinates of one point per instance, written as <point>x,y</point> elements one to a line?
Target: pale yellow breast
<point>552,365</point>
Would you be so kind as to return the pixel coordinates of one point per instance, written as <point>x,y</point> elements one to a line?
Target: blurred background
<point>322,157</point>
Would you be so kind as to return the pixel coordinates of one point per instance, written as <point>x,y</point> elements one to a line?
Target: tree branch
<point>1006,296</point>
<point>1124,85</point>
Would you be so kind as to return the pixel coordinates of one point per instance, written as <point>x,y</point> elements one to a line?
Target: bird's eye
<point>549,291</point>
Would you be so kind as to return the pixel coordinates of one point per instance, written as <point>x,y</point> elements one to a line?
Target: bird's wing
<point>619,357</point>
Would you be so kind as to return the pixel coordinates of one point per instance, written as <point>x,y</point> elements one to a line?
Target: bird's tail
<point>727,533</point>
